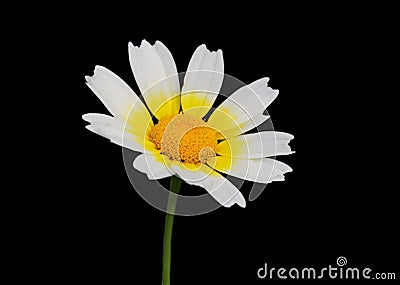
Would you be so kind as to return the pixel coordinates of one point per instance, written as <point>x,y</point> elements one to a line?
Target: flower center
<point>184,138</point>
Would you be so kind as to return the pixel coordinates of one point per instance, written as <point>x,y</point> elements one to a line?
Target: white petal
<point>258,145</point>
<point>153,166</point>
<point>244,104</point>
<point>260,170</point>
<point>202,82</point>
<point>279,177</point>
<point>115,94</point>
<point>115,130</point>
<point>156,75</point>
<point>221,189</point>
<point>245,126</point>
<point>115,136</point>
<point>102,119</point>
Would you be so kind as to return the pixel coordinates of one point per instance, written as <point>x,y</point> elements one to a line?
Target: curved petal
<point>258,145</point>
<point>116,131</point>
<point>244,127</point>
<point>152,165</point>
<point>156,75</point>
<point>244,104</point>
<point>279,177</point>
<point>120,100</point>
<point>115,94</point>
<point>221,189</point>
<point>261,170</point>
<point>202,82</point>
<point>102,119</point>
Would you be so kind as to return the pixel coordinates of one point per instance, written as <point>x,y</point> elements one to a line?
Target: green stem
<point>175,186</point>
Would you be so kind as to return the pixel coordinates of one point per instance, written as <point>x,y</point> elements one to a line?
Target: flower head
<point>181,142</point>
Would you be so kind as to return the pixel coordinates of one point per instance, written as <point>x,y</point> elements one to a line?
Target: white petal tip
<point>266,80</point>
<point>136,165</point>
<point>145,43</point>
<point>238,199</point>
<point>90,128</point>
<point>228,205</point>
<point>202,47</point>
<point>289,152</point>
<point>133,47</point>
<point>85,117</point>
<point>267,117</point>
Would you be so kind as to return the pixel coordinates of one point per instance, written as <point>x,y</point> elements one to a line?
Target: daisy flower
<point>181,142</point>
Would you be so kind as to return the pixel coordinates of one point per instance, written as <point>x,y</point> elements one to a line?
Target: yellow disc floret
<point>184,138</point>
<point>157,132</point>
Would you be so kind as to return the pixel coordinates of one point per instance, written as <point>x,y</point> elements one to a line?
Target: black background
<point>338,201</point>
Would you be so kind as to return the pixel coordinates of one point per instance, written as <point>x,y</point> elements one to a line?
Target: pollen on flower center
<point>184,138</point>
